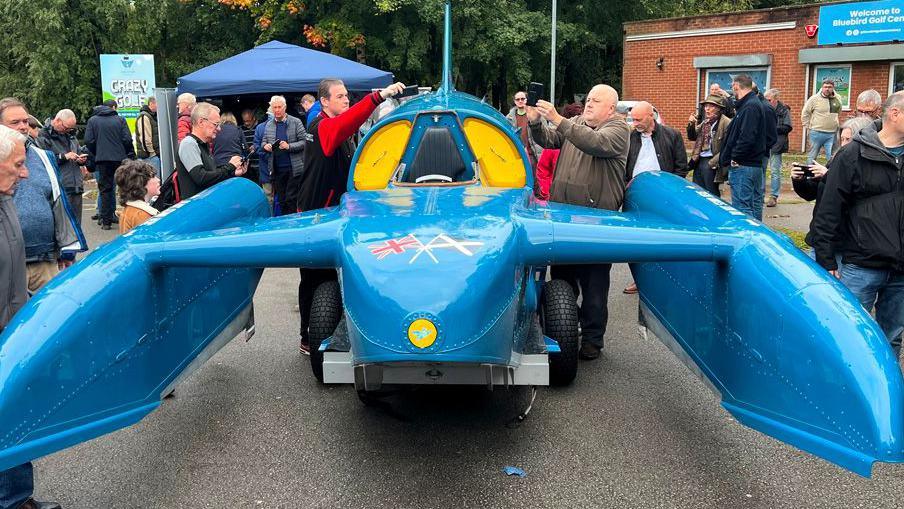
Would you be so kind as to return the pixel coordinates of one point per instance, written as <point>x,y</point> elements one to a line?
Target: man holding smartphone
<point>859,216</point>
<point>590,172</point>
<point>284,139</point>
<point>327,164</point>
<point>820,116</point>
<point>58,136</point>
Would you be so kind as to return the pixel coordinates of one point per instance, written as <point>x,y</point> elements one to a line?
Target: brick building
<point>671,62</point>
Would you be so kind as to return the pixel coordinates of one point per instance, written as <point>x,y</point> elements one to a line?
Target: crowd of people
<point>584,155</point>
<point>856,230</point>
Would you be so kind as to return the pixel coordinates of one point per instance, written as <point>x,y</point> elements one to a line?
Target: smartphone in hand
<point>534,93</point>
<point>408,91</point>
<point>806,168</point>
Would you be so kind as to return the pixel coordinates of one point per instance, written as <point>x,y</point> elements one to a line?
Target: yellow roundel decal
<point>422,333</point>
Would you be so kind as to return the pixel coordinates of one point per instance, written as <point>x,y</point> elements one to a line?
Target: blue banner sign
<point>861,22</point>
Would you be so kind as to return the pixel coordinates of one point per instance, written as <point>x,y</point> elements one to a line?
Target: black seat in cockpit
<point>437,154</point>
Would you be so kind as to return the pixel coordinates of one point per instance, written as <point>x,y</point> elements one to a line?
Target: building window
<point>896,78</point>
<point>841,75</point>
<point>724,77</point>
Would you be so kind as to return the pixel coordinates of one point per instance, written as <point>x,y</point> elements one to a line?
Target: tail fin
<point>446,85</point>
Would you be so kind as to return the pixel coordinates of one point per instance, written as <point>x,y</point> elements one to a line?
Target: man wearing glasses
<point>59,137</point>
<point>196,168</point>
<point>869,105</point>
<point>517,116</point>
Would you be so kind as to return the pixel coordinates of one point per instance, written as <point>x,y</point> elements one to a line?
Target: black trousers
<point>310,280</point>
<point>592,283</point>
<point>106,186</point>
<point>280,180</point>
<point>704,176</point>
<point>75,205</point>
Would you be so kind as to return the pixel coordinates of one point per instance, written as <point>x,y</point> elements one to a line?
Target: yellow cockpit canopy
<point>499,160</point>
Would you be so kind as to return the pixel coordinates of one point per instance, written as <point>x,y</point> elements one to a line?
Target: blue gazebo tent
<point>277,67</point>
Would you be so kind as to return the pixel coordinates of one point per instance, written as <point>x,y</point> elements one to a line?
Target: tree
<point>50,59</point>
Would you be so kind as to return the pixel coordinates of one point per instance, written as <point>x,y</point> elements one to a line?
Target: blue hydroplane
<point>441,251</point>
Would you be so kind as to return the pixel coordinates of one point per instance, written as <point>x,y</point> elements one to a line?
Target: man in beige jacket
<point>820,116</point>
<point>591,173</point>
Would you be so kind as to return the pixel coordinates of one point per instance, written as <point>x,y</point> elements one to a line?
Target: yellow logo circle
<point>422,333</point>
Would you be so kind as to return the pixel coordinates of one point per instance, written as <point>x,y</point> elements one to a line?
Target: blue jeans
<point>775,165</point>
<point>16,486</point>
<point>747,189</point>
<point>155,162</point>
<point>884,289</point>
<point>818,139</point>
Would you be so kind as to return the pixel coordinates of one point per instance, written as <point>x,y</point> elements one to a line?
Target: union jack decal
<point>394,246</point>
<point>410,242</point>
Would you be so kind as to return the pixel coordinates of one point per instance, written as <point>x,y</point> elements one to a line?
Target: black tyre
<point>326,311</point>
<point>559,315</point>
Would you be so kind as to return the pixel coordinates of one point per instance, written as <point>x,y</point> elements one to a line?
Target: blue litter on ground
<point>514,471</point>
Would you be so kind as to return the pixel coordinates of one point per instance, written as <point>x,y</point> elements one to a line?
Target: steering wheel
<point>432,178</point>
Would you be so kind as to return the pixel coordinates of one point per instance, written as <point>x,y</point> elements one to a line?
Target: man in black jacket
<point>860,214</point>
<point>109,142</point>
<point>654,147</point>
<point>782,128</point>
<point>746,149</point>
<point>196,166</point>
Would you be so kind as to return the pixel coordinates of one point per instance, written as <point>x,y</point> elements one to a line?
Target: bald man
<point>590,172</point>
<point>654,147</point>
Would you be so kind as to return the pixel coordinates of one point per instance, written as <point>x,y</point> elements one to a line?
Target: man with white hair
<point>17,483</point>
<point>195,165</point>
<point>590,172</point>
<point>284,140</point>
<point>859,215</point>
<point>52,236</point>
<point>58,137</point>
<point>869,104</point>
<point>185,103</point>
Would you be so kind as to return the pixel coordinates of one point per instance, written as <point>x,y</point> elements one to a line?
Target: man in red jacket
<point>327,160</point>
